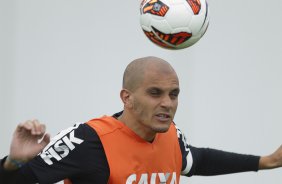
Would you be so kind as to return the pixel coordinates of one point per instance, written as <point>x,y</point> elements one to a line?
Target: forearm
<point>10,164</point>
<point>208,162</point>
<point>12,175</point>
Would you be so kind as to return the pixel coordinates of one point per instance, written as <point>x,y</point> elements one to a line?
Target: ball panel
<point>155,7</point>
<point>195,6</point>
<point>157,40</point>
<point>178,16</point>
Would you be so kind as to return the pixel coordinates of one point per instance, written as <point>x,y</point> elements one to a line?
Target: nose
<point>166,102</point>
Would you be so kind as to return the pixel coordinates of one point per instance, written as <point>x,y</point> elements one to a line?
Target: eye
<point>154,92</point>
<point>174,93</point>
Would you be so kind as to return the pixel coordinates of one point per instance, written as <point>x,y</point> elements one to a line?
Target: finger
<point>39,128</point>
<point>30,125</point>
<point>42,128</point>
<point>27,125</point>
<point>44,140</point>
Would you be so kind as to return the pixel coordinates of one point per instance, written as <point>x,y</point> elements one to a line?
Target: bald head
<point>136,70</point>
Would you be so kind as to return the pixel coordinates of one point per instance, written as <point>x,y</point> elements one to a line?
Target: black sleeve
<point>210,162</point>
<point>23,175</point>
<point>75,153</point>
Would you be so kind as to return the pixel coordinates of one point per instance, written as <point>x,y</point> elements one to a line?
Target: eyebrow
<point>176,90</point>
<point>161,90</point>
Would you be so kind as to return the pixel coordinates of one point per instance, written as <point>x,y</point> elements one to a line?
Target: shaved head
<point>150,96</point>
<point>135,72</point>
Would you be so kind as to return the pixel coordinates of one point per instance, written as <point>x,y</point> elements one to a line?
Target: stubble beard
<point>143,118</point>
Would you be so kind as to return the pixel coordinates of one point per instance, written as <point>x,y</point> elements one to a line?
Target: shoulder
<point>181,138</point>
<point>65,142</point>
<point>187,159</point>
<point>105,125</point>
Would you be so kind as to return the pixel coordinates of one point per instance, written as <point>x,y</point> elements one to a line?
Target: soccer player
<point>140,144</point>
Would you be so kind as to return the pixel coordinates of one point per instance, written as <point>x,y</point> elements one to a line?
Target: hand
<point>271,161</point>
<point>25,144</point>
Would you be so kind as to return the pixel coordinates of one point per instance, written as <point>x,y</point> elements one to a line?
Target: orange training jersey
<point>134,160</point>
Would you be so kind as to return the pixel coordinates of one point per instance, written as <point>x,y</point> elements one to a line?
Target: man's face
<point>155,101</point>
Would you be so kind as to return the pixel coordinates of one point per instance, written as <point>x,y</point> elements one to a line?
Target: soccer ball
<point>174,24</point>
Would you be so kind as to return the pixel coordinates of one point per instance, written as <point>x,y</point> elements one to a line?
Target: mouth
<point>163,117</point>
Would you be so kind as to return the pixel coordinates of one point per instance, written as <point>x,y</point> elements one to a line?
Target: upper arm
<point>76,151</point>
<point>187,158</point>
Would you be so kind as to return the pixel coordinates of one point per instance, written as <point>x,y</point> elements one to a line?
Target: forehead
<point>163,79</point>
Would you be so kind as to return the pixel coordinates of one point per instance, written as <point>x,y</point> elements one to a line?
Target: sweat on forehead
<point>135,71</point>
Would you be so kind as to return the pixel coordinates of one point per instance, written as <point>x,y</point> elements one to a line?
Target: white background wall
<point>62,62</point>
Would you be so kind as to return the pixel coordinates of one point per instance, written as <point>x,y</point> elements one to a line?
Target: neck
<point>137,127</point>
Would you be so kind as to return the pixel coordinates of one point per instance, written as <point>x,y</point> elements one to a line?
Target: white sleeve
<point>187,158</point>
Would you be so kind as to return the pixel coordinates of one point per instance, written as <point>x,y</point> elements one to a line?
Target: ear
<point>125,96</point>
